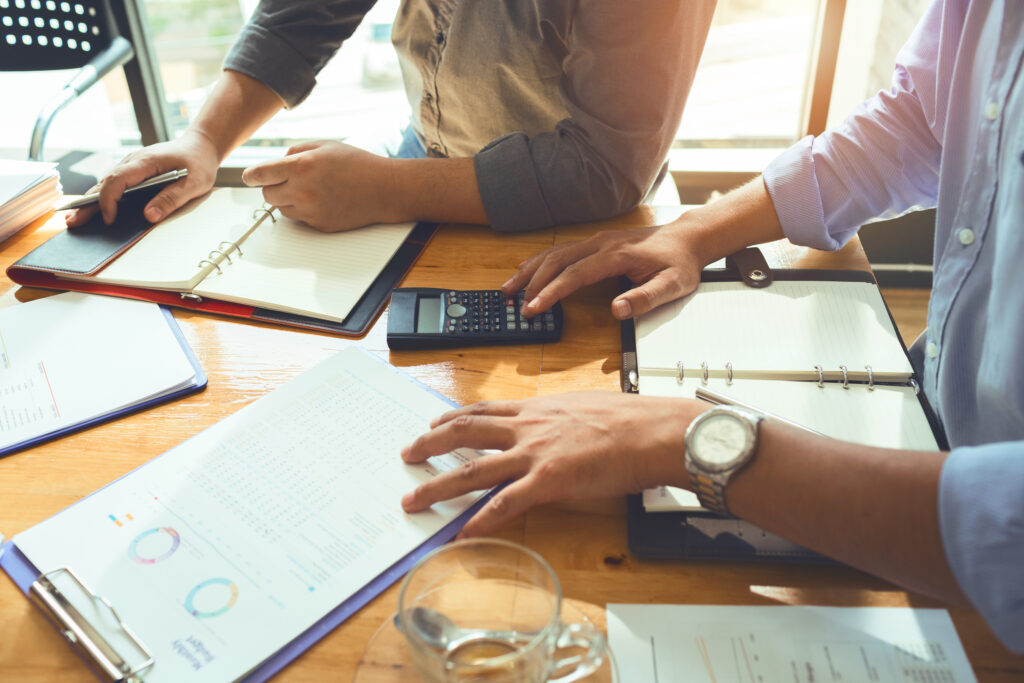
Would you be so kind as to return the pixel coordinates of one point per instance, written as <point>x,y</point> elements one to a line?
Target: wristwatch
<point>719,443</point>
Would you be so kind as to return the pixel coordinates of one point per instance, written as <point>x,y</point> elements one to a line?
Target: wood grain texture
<point>585,543</point>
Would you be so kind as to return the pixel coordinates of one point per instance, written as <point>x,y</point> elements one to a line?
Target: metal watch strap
<point>710,493</point>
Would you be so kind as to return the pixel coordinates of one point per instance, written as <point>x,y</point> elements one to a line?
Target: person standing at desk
<point>532,113</point>
<point>950,134</point>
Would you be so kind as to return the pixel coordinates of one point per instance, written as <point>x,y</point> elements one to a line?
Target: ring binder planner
<point>808,321</point>
<point>291,273</point>
<point>83,634</point>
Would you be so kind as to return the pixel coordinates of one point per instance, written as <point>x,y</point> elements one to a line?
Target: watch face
<point>719,439</point>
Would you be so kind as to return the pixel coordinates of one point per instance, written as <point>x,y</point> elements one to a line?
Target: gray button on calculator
<point>455,310</point>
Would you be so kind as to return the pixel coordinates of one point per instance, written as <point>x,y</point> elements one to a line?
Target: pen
<point>94,197</point>
<point>719,400</point>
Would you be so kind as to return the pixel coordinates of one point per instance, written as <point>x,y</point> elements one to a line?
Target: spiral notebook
<point>818,348</point>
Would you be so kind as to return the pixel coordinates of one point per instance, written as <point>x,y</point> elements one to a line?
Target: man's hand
<point>564,447</point>
<point>193,151</point>
<point>329,185</point>
<point>663,261</point>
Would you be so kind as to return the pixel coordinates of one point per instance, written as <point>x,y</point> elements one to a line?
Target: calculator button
<point>510,326</point>
<point>524,325</point>
<point>549,326</point>
<point>455,310</point>
<point>536,326</point>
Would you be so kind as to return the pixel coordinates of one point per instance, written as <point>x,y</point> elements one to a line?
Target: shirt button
<point>966,237</point>
<point>428,97</point>
<point>932,349</point>
<point>993,110</point>
<point>435,147</point>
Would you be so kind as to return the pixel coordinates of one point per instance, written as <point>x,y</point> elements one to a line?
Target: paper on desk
<point>72,357</point>
<point>734,644</point>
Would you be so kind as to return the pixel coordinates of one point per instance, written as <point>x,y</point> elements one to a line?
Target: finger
<point>76,217</point>
<point>662,288</point>
<point>269,173</point>
<point>525,271</point>
<point>557,262</point>
<point>507,504</point>
<point>113,186</point>
<point>494,408</point>
<point>279,195</point>
<point>305,146</point>
<point>480,473</point>
<point>169,199</point>
<point>581,273</point>
<point>465,431</point>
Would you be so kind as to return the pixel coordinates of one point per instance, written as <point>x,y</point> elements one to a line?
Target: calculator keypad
<point>484,312</point>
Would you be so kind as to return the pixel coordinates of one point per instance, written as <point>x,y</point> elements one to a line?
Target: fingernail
<point>622,309</point>
<point>405,452</point>
<point>406,500</point>
<point>507,283</point>
<point>153,214</point>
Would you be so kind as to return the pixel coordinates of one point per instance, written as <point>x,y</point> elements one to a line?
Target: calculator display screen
<point>428,315</point>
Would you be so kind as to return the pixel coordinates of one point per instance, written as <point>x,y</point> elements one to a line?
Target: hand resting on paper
<point>329,185</point>
<point>568,447</point>
<point>193,151</point>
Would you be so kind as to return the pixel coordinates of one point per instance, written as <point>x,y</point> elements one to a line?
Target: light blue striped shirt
<point>950,133</point>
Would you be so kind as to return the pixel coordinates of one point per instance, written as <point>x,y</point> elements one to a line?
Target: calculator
<point>422,318</point>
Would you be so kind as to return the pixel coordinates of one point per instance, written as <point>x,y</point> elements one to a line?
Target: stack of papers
<point>28,190</point>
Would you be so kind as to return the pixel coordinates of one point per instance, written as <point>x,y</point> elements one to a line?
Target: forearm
<point>744,217</point>
<point>874,509</point>
<point>439,190</point>
<point>236,108</point>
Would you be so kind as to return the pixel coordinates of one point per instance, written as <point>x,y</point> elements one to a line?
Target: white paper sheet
<point>224,549</point>
<point>762,644</point>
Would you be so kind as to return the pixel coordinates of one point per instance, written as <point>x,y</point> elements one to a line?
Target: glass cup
<point>490,610</point>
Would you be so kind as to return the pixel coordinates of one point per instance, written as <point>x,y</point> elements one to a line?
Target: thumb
<point>660,289</point>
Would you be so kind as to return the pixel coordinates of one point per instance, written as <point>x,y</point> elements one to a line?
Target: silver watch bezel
<point>750,423</point>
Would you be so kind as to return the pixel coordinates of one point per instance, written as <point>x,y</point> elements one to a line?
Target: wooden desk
<point>585,543</point>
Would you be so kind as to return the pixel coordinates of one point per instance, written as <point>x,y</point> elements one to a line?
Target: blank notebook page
<point>781,331</point>
<point>289,266</point>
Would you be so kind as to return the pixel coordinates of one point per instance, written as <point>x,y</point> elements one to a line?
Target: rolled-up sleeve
<point>981,513</point>
<point>625,80</point>
<point>286,42</point>
<point>883,158</point>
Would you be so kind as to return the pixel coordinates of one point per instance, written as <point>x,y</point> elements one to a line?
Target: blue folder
<point>24,574</point>
<point>198,383</point>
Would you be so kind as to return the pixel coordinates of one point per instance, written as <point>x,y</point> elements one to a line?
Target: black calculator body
<point>422,318</point>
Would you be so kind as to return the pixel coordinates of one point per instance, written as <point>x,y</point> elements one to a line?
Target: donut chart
<point>209,603</point>
<point>154,545</point>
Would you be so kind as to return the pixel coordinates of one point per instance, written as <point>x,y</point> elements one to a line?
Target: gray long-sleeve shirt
<point>568,107</point>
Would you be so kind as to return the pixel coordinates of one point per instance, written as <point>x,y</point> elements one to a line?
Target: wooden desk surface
<point>585,543</point>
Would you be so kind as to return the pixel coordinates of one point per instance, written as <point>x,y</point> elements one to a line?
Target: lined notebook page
<point>888,417</point>
<point>780,332</point>
<point>169,255</point>
<point>291,267</point>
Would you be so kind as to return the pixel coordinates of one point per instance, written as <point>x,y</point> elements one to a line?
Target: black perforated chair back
<point>39,35</point>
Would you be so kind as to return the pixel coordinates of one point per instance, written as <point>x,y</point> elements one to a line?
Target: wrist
<point>664,464</point>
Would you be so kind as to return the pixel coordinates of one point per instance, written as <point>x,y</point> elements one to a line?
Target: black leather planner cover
<point>86,249</point>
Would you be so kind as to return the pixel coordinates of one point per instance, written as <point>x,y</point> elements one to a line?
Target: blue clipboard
<point>24,574</point>
<point>198,384</point>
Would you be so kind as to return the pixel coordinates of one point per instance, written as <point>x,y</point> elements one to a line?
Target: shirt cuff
<point>260,54</point>
<point>793,187</point>
<point>511,193</point>
<point>981,516</point>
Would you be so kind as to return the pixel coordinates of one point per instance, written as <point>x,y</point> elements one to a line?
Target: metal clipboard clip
<point>85,636</point>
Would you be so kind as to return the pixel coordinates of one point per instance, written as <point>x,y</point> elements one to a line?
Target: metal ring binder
<point>846,377</point>
<point>871,378</point>
<point>679,372</point>
<point>218,251</point>
<point>821,376</point>
<point>82,635</point>
<point>913,383</point>
<point>267,211</point>
<point>704,367</point>
<point>200,265</point>
<point>189,296</point>
<point>231,245</point>
<point>728,372</point>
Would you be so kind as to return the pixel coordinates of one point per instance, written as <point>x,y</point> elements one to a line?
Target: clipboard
<point>704,535</point>
<point>199,383</point>
<point>94,639</point>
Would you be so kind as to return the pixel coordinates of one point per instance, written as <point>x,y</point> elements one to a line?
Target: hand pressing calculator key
<point>421,318</point>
